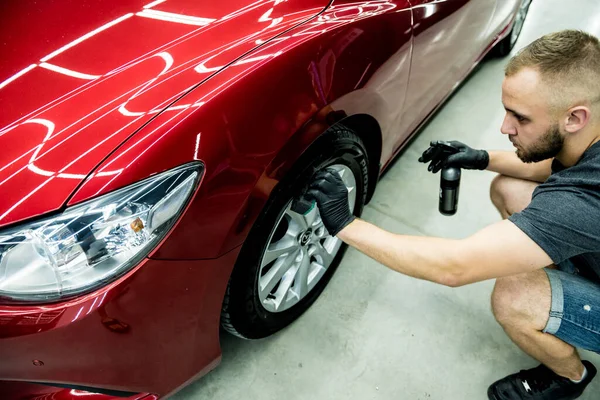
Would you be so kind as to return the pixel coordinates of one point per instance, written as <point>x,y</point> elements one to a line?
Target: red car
<point>152,156</point>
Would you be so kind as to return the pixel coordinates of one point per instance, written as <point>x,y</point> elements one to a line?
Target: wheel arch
<point>363,125</point>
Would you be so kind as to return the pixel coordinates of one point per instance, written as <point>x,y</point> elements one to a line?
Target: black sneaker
<point>539,383</point>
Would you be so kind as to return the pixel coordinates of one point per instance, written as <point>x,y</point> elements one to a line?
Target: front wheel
<point>288,258</point>
<point>504,47</point>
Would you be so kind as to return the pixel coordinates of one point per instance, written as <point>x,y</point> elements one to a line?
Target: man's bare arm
<point>500,249</point>
<point>507,163</point>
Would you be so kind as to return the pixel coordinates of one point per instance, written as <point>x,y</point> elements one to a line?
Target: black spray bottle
<point>449,188</point>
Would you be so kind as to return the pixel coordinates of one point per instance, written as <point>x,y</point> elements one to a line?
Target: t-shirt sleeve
<point>563,222</point>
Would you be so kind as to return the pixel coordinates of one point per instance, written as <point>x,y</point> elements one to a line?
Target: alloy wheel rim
<point>519,22</point>
<point>299,252</point>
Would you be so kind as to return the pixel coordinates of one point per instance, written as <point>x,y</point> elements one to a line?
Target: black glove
<point>454,154</point>
<point>331,195</point>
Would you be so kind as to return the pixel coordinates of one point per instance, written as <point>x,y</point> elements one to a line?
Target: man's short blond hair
<point>568,63</point>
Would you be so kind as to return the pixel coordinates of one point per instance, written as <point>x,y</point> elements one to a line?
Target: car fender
<point>240,122</point>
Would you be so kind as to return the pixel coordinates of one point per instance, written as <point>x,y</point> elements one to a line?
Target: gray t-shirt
<point>563,217</point>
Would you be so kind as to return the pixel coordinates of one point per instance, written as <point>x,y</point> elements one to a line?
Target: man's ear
<point>577,119</point>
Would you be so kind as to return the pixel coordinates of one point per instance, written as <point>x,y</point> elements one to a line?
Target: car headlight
<point>93,243</point>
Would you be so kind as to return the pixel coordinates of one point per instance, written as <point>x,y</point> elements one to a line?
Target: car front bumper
<point>152,331</point>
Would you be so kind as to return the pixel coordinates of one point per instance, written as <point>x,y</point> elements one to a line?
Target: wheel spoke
<point>307,220</point>
<point>298,219</point>
<point>351,197</point>
<point>281,297</point>
<point>317,272</point>
<point>319,250</point>
<point>331,244</point>
<point>347,178</point>
<point>277,271</point>
<point>282,247</point>
<point>301,279</point>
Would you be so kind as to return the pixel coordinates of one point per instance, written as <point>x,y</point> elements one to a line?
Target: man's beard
<point>548,146</point>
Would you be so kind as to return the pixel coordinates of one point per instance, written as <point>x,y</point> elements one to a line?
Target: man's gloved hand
<point>454,154</point>
<point>331,195</point>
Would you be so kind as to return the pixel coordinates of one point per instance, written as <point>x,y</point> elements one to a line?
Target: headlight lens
<point>93,243</point>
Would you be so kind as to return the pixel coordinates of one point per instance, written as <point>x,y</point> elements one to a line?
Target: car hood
<point>78,78</point>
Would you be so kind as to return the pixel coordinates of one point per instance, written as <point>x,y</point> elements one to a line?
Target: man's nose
<point>507,127</point>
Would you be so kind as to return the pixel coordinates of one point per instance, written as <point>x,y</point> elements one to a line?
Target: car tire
<point>244,313</point>
<point>504,47</point>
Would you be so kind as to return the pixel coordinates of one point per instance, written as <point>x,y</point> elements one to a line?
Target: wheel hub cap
<point>304,237</point>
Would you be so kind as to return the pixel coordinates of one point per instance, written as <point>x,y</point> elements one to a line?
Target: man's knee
<point>511,195</point>
<point>499,190</point>
<point>522,299</point>
<point>507,300</point>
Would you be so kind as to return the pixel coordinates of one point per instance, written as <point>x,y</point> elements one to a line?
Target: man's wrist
<point>346,230</point>
<point>485,159</point>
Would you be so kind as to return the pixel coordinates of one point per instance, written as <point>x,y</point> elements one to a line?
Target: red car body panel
<point>96,90</point>
<point>245,87</point>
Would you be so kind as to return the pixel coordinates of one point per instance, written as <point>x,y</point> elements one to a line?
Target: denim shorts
<point>575,310</point>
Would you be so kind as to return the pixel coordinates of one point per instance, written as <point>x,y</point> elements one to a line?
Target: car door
<point>449,36</point>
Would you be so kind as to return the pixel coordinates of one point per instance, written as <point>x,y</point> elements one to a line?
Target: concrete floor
<point>375,334</point>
